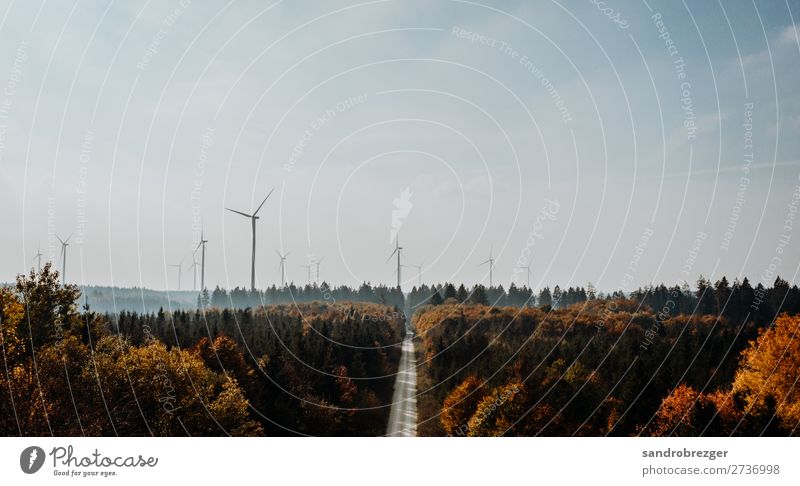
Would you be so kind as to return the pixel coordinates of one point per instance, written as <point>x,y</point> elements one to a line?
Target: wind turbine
<point>39,256</point>
<point>528,270</point>
<point>253,218</point>
<point>194,266</point>
<point>202,244</point>
<point>397,249</point>
<point>317,264</point>
<point>308,267</point>
<point>419,273</point>
<point>180,267</point>
<point>282,266</point>
<point>64,246</point>
<point>490,261</point>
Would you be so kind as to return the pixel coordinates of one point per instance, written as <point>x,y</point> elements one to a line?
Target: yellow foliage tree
<point>768,372</point>
<point>460,405</point>
<point>689,413</point>
<point>498,412</point>
<point>11,313</point>
<point>169,392</point>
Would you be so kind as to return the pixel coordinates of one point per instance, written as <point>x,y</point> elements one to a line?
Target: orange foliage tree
<point>768,374</point>
<point>460,405</point>
<point>689,413</point>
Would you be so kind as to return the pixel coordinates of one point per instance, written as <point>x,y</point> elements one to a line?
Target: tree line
<point>737,300</point>
<point>310,369</point>
<point>732,299</point>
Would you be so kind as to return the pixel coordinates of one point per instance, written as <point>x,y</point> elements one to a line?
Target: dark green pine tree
<point>479,295</point>
<point>545,298</point>
<point>462,294</point>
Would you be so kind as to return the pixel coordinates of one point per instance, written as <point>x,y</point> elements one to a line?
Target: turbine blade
<point>484,263</point>
<point>262,202</point>
<point>239,212</point>
<point>59,239</point>
<point>390,256</point>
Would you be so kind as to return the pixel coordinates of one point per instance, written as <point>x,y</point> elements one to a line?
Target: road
<point>403,416</point>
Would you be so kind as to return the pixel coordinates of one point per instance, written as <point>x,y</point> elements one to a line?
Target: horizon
<point>691,285</point>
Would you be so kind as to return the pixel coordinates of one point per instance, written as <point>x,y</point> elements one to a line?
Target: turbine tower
<point>253,218</point>
<point>308,267</point>
<point>527,269</point>
<point>193,266</point>
<point>64,245</point>
<point>490,261</point>
<point>39,256</point>
<point>282,266</point>
<point>317,264</point>
<point>179,266</point>
<point>419,273</point>
<point>397,249</point>
<point>202,244</point>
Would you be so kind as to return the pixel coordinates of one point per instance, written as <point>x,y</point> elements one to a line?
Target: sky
<point>619,142</point>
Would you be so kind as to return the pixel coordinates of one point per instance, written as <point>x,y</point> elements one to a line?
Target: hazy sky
<point>617,142</point>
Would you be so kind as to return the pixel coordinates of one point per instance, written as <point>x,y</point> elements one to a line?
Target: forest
<point>718,360</point>
<point>310,369</point>
<point>609,367</point>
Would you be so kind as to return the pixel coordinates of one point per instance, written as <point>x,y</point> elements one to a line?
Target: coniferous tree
<point>462,294</point>
<point>479,295</point>
<point>545,298</point>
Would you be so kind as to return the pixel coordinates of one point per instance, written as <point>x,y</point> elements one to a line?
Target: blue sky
<point>128,123</point>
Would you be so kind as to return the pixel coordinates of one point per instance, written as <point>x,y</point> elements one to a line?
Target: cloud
<point>789,35</point>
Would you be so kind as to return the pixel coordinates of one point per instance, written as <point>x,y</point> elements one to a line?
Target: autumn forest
<point>718,359</point>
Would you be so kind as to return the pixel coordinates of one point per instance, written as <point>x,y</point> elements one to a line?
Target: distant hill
<point>118,299</point>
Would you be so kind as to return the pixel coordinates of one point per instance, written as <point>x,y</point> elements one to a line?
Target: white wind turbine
<point>527,269</point>
<point>397,250</point>
<point>64,245</point>
<point>308,267</point>
<point>282,266</point>
<point>317,265</point>
<point>179,266</point>
<point>202,245</point>
<point>419,273</point>
<point>490,261</point>
<point>39,256</point>
<point>193,267</point>
<point>253,218</point>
